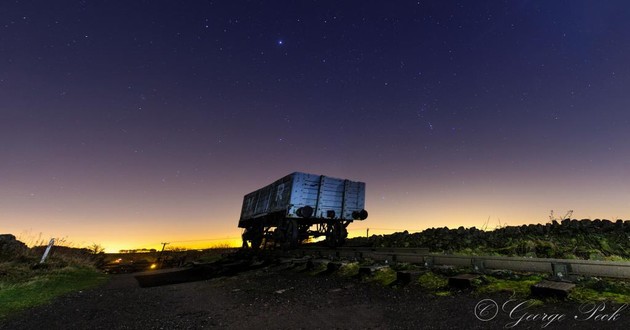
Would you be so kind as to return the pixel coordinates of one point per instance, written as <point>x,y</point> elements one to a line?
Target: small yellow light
<point>153,266</point>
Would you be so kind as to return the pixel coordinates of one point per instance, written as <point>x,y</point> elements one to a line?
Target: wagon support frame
<point>290,233</point>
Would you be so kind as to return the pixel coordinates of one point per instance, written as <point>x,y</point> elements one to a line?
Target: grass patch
<point>596,289</point>
<point>437,284</point>
<point>40,287</point>
<point>349,270</point>
<point>517,287</point>
<point>14,272</point>
<point>384,276</point>
<point>586,295</point>
<point>431,281</point>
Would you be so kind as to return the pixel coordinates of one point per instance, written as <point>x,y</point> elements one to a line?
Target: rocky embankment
<point>570,238</point>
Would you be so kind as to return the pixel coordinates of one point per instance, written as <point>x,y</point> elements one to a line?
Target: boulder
<point>10,247</point>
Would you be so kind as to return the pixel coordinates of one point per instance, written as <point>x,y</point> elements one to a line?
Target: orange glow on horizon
<point>115,247</point>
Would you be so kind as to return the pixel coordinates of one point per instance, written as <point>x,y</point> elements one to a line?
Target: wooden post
<point>160,261</point>
<point>50,244</point>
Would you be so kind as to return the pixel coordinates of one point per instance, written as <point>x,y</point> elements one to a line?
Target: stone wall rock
<point>10,247</point>
<point>568,238</point>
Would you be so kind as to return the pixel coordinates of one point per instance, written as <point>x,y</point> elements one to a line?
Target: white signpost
<point>50,244</point>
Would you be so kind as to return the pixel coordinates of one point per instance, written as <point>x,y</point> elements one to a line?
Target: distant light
<point>280,42</point>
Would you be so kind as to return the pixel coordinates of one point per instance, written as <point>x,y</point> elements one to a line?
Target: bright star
<point>280,42</point>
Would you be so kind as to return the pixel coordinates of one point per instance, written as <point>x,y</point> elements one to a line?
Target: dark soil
<point>274,297</point>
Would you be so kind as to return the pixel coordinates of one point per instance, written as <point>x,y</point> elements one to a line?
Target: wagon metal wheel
<point>292,233</point>
<point>254,235</point>
<point>257,241</point>
<point>336,234</point>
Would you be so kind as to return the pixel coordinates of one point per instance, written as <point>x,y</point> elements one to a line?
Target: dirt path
<point>276,299</point>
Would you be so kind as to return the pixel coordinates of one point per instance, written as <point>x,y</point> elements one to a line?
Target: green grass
<point>349,270</point>
<point>595,289</point>
<point>517,287</point>
<point>436,284</point>
<point>41,286</point>
<point>586,295</point>
<point>384,276</point>
<point>432,281</point>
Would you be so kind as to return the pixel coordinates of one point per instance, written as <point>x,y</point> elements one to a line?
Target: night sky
<point>130,123</point>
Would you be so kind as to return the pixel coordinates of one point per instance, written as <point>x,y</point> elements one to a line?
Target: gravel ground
<point>277,298</point>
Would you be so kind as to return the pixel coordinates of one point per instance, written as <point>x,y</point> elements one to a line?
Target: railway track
<point>559,268</point>
<point>243,260</point>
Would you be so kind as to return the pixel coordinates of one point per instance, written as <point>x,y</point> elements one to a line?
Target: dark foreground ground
<point>274,298</point>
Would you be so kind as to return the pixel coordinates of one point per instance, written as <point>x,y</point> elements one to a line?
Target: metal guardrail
<point>557,267</point>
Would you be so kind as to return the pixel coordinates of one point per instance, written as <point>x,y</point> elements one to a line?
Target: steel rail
<point>422,256</point>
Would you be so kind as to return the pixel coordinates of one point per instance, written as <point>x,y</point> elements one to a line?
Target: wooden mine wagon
<point>300,206</point>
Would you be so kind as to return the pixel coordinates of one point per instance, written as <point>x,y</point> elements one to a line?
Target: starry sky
<point>130,123</point>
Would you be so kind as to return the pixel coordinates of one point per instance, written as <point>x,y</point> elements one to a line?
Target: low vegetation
<point>596,289</point>
<point>349,270</point>
<point>40,287</point>
<point>435,283</point>
<point>517,286</point>
<point>24,282</point>
<point>384,276</point>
